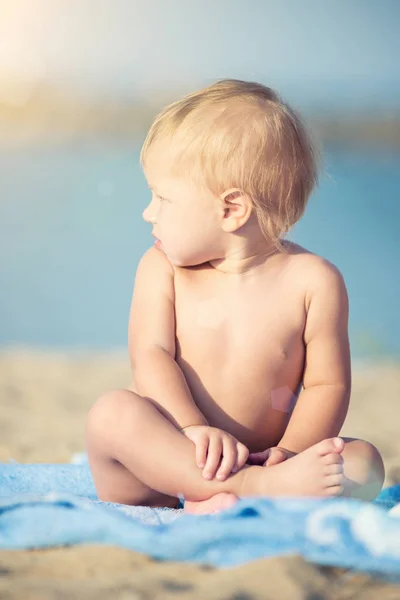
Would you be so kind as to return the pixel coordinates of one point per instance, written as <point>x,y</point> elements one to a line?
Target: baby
<point>238,338</point>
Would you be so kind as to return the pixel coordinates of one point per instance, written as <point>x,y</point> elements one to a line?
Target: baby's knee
<point>369,453</point>
<point>367,456</point>
<point>109,411</point>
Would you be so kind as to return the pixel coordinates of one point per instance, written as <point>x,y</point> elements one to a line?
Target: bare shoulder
<point>317,274</point>
<point>312,265</point>
<point>155,260</point>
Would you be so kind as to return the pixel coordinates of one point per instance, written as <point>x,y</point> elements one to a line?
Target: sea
<point>72,234</point>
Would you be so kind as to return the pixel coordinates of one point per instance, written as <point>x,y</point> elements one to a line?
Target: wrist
<point>194,425</point>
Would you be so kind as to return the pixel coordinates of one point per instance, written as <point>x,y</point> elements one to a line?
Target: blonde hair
<point>240,134</point>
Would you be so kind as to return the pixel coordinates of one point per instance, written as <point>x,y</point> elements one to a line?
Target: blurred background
<point>79,85</point>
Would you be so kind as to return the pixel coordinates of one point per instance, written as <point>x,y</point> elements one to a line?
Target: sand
<point>44,399</point>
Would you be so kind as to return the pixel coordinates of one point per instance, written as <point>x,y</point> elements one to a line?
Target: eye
<point>159,197</point>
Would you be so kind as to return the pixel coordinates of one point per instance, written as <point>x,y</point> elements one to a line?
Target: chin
<point>188,262</point>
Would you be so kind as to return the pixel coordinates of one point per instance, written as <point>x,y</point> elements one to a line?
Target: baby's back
<point>239,343</point>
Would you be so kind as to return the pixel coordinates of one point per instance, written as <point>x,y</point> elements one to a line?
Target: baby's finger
<point>242,456</point>
<point>201,451</point>
<point>213,457</point>
<point>259,458</point>
<point>277,456</point>
<point>228,459</point>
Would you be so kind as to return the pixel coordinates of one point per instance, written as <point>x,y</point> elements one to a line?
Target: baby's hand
<point>214,444</point>
<point>270,456</point>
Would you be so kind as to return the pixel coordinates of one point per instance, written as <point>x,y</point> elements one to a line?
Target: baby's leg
<point>360,463</point>
<point>363,469</point>
<point>113,481</point>
<point>138,457</point>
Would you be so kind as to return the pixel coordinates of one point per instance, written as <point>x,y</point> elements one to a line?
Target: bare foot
<point>215,504</point>
<point>317,471</point>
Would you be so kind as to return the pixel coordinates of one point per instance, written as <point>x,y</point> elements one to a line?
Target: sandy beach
<point>44,399</point>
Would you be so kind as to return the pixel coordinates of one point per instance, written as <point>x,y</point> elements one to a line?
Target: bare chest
<point>240,348</point>
<point>234,326</point>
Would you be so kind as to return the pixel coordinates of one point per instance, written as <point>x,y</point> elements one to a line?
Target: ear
<point>237,208</point>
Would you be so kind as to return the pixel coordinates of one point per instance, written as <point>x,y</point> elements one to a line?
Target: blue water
<point>71,236</point>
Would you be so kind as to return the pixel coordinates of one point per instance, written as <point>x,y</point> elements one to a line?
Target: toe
<point>333,458</point>
<point>334,469</point>
<point>334,480</point>
<point>329,445</point>
<point>334,490</point>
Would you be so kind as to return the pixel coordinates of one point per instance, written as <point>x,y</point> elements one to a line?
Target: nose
<point>147,216</point>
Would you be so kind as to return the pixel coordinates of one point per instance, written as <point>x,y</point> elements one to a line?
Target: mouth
<point>157,242</point>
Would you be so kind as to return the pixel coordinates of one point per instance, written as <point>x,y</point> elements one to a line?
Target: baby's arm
<point>152,342</point>
<point>322,405</point>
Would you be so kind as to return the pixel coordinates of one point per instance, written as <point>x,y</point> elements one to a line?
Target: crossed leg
<point>139,457</point>
<point>363,477</point>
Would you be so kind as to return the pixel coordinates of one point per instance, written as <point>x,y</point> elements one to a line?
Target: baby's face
<point>185,219</point>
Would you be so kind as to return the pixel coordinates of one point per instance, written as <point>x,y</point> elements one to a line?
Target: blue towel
<point>52,505</point>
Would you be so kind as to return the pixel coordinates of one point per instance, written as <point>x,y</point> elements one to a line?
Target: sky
<point>327,51</point>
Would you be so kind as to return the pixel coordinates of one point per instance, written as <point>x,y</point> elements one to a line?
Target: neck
<point>241,263</point>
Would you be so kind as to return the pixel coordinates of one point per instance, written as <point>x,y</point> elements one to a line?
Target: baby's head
<point>229,165</point>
